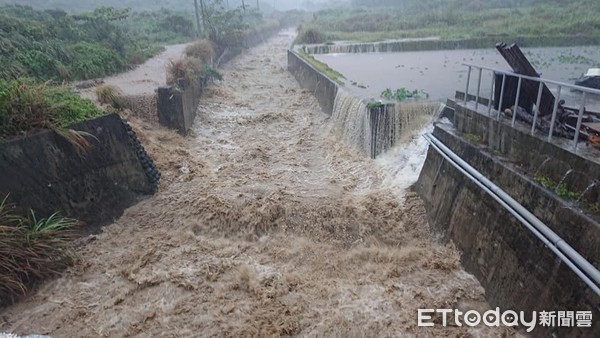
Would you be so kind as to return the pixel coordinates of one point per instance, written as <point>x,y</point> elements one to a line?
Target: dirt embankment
<point>264,225</point>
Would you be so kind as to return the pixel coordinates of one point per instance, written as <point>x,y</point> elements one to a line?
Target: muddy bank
<point>264,225</point>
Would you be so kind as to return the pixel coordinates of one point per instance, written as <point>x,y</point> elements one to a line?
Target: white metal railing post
<point>554,111</point>
<point>467,88</point>
<point>542,82</point>
<point>491,94</point>
<point>501,95</point>
<point>478,89</point>
<point>579,118</point>
<point>537,106</point>
<point>514,117</point>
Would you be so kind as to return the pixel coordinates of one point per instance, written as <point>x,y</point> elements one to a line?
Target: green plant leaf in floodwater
<point>402,94</point>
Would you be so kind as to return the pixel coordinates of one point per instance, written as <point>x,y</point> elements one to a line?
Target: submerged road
<point>264,225</point>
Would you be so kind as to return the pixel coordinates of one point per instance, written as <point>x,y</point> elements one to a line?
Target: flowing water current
<point>267,223</point>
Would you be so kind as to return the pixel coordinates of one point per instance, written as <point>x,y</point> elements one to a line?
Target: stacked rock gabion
<point>150,168</point>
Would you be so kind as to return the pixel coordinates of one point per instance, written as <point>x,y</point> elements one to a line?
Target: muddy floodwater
<point>441,73</point>
<point>265,225</point>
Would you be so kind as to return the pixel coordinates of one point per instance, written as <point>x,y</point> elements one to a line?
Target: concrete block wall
<point>177,105</point>
<point>516,269</point>
<point>46,173</point>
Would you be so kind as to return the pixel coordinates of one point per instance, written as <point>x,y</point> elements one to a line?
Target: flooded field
<point>441,73</point>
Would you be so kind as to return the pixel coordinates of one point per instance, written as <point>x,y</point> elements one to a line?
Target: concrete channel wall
<point>322,87</point>
<point>177,104</point>
<point>516,269</point>
<point>381,134</point>
<point>46,173</point>
<point>438,44</point>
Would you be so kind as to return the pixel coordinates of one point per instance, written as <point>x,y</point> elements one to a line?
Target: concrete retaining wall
<point>46,173</point>
<point>177,105</point>
<point>432,44</point>
<point>554,162</point>
<point>516,269</point>
<point>323,88</point>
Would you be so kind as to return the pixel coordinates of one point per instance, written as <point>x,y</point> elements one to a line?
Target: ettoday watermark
<point>495,318</point>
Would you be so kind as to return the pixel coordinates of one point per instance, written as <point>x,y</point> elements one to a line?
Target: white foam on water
<point>404,162</point>
<point>350,120</point>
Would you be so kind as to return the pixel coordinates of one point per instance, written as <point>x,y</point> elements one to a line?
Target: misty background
<point>187,5</point>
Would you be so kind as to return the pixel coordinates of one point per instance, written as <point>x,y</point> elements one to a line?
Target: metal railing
<point>560,85</point>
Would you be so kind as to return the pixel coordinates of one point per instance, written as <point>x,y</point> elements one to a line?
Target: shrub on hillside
<point>310,36</point>
<point>92,60</point>
<point>204,50</point>
<point>26,106</point>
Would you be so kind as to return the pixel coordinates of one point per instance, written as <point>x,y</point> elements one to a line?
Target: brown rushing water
<point>264,225</point>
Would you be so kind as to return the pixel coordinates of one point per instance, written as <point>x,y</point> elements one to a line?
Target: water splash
<point>375,130</point>
<point>404,162</point>
<point>562,180</point>
<point>350,120</point>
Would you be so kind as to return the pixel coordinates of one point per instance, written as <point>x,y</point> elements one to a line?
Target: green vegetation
<point>474,138</point>
<point>455,19</point>
<point>204,50</point>
<point>402,94</point>
<point>111,96</point>
<point>563,191</point>
<point>26,105</point>
<point>560,189</point>
<point>571,58</point>
<point>374,104</point>
<point>310,35</point>
<point>545,181</point>
<point>40,48</point>
<point>323,68</point>
<point>54,45</point>
<point>31,250</point>
<point>594,207</point>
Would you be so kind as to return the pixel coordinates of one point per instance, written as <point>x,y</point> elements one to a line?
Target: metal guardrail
<point>542,82</point>
<point>586,271</point>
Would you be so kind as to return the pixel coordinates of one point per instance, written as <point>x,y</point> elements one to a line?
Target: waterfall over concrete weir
<point>378,128</point>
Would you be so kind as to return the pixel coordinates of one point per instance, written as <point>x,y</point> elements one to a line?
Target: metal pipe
<point>586,271</point>
<point>467,88</point>
<point>579,119</point>
<point>501,96</point>
<point>478,89</point>
<point>537,107</point>
<point>514,117</point>
<point>554,111</point>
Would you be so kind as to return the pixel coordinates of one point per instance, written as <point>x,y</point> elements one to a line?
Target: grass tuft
<point>203,50</point>
<point>189,69</point>
<point>27,106</point>
<point>323,68</point>
<point>111,96</point>
<point>31,250</point>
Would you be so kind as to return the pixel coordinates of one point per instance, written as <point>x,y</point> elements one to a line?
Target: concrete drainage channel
<point>584,269</point>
